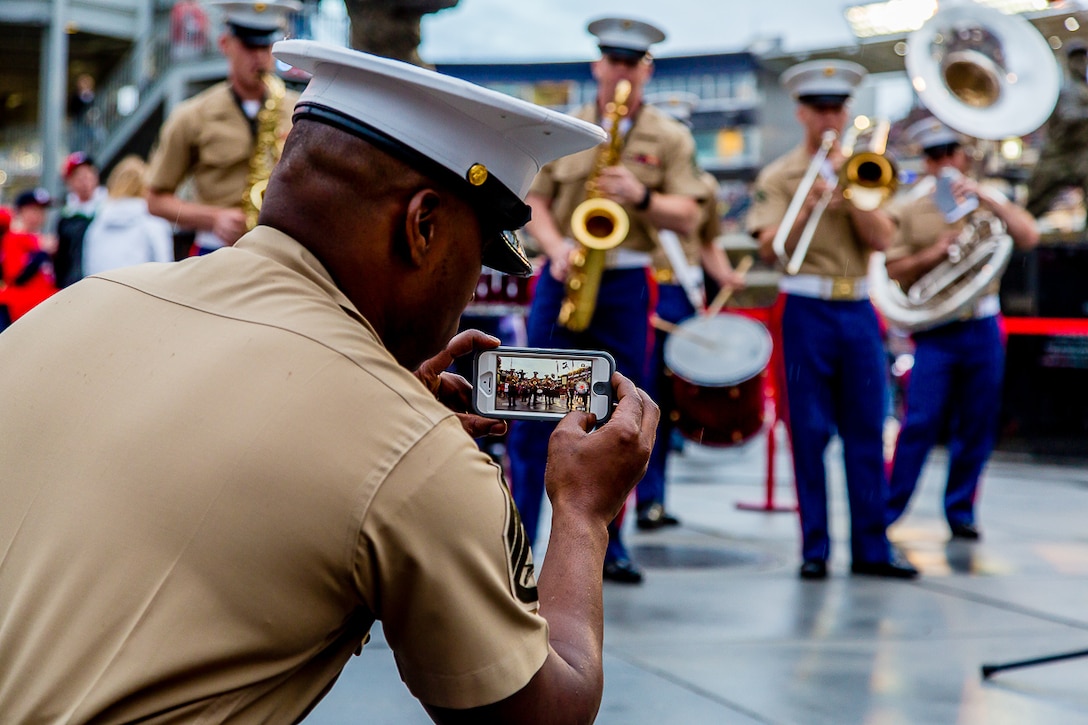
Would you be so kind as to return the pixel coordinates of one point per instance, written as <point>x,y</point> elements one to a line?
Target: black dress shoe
<point>654,517</point>
<point>969,532</point>
<point>896,568</point>
<point>623,571</point>
<point>814,569</point>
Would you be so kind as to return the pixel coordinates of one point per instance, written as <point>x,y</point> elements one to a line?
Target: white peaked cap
<point>930,133</point>
<point>451,121</point>
<point>257,16</point>
<point>490,143</point>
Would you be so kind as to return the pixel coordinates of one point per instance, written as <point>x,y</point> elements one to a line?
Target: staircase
<point>149,74</point>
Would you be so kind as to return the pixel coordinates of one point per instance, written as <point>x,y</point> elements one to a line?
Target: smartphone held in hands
<point>542,384</point>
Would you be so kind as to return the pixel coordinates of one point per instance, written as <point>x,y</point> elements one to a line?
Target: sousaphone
<point>986,75</point>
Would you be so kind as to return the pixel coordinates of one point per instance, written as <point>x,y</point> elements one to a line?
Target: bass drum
<point>718,365</point>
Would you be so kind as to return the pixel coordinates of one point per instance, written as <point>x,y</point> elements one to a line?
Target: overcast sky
<point>531,30</point>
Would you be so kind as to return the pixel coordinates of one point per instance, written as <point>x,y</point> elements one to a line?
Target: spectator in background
<point>124,233</point>
<point>81,111</point>
<point>189,30</point>
<point>85,196</point>
<point>24,254</point>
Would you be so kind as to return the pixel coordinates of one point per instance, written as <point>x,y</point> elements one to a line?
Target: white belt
<point>825,288</point>
<point>667,275</point>
<point>627,259</point>
<point>208,240</point>
<point>985,306</point>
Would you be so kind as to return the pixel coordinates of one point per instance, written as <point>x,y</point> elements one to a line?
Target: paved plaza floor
<point>722,631</point>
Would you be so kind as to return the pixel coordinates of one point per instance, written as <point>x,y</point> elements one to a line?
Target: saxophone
<point>266,149</point>
<point>598,224</point>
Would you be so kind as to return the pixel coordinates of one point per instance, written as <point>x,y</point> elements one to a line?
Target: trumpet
<point>867,178</point>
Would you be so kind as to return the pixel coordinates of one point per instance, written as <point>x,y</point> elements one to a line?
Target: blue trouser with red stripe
<point>955,386</point>
<point>672,306</point>
<point>620,326</point>
<point>835,379</point>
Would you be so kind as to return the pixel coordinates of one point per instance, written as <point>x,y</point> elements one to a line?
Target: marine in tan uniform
<point>956,381</point>
<point>657,183</point>
<point>211,139</point>
<point>831,342</point>
<point>252,475</point>
<point>681,293</point>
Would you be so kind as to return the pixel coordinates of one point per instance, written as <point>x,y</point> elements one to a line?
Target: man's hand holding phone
<point>453,390</point>
<point>594,471</point>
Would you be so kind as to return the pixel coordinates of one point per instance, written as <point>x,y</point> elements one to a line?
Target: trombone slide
<point>794,209</point>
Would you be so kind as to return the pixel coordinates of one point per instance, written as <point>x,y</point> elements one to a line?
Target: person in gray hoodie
<point>123,232</point>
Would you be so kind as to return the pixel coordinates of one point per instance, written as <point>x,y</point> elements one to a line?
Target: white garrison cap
<point>487,144</point>
<point>624,37</point>
<point>257,23</point>
<point>930,133</point>
<point>823,82</point>
<point>677,104</point>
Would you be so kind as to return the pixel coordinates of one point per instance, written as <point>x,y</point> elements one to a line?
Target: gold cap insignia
<point>477,174</point>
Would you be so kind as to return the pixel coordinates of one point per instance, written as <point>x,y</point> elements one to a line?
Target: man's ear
<point>420,224</point>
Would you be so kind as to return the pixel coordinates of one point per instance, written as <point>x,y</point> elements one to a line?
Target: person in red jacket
<point>27,267</point>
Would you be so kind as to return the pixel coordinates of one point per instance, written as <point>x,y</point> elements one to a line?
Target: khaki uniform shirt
<point>710,226</point>
<point>215,479</point>
<point>920,222</point>
<point>659,151</point>
<point>208,138</point>
<point>836,251</point>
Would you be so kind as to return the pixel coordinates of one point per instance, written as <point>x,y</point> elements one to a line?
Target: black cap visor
<point>626,55</point>
<point>824,100</point>
<point>254,37</point>
<point>500,210</point>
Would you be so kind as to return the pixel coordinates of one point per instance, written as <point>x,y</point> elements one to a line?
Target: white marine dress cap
<point>257,23</point>
<point>625,37</point>
<point>823,81</point>
<point>489,144</point>
<point>930,133</point>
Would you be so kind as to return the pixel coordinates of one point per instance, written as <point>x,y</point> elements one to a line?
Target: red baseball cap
<point>75,159</point>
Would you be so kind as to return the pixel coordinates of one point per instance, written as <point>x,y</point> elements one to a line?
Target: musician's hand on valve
<point>559,260</point>
<point>945,246</point>
<point>620,185</point>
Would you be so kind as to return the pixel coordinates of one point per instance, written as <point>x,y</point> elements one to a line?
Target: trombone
<point>867,178</point>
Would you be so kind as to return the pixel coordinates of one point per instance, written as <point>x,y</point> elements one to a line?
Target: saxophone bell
<point>597,224</point>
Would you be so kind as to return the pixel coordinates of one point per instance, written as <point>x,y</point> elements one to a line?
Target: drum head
<point>726,349</point>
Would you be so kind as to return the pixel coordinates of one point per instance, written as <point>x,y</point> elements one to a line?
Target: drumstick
<point>723,294</point>
<point>673,329</point>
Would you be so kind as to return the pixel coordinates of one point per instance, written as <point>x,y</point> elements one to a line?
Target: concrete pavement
<point>723,631</point>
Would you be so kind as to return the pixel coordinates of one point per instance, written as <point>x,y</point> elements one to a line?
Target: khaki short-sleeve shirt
<point>659,151</point>
<point>836,250</point>
<point>919,222</point>
<point>709,227</point>
<point>208,138</point>
<point>215,480</point>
